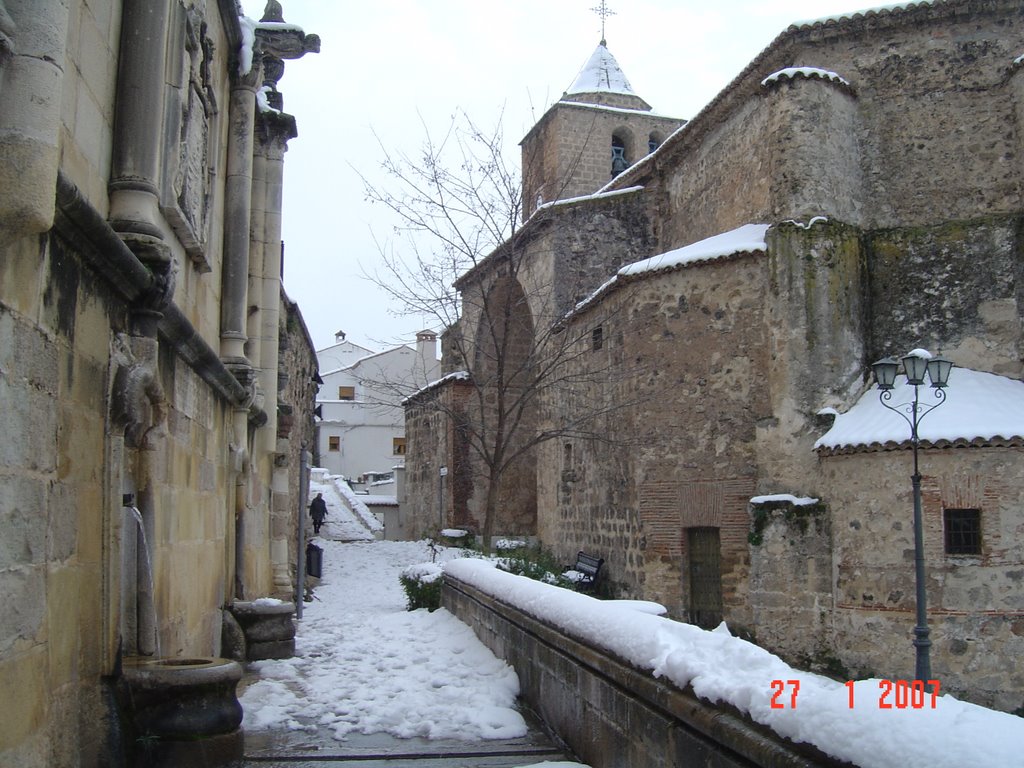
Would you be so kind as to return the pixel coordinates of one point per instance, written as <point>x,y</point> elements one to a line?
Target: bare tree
<point>460,258</point>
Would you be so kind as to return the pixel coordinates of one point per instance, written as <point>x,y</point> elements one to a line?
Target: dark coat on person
<point>318,509</point>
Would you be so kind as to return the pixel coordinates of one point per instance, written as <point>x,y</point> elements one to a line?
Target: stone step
<point>306,749</point>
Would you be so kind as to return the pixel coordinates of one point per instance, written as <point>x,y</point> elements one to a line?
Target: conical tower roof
<point>602,81</point>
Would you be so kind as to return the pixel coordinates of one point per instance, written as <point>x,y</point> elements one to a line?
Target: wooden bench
<point>587,571</point>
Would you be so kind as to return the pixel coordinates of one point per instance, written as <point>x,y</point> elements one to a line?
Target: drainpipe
<point>32,37</point>
<point>300,538</point>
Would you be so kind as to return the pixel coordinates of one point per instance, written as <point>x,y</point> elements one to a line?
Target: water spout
<point>138,614</point>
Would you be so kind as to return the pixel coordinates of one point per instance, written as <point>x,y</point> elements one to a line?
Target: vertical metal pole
<point>923,668</point>
<point>300,539</point>
<point>440,503</point>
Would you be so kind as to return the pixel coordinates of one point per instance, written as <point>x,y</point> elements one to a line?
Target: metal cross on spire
<point>604,12</point>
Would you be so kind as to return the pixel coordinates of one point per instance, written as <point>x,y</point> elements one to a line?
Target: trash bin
<point>314,560</point>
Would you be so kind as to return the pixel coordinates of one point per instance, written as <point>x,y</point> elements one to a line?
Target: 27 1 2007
<point>893,694</point>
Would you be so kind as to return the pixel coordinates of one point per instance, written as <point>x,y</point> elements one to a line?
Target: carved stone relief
<point>6,35</point>
<point>191,121</point>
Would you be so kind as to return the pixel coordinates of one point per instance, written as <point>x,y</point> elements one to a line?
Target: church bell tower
<point>596,130</point>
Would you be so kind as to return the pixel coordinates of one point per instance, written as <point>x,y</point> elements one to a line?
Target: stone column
<point>32,38</point>
<point>138,132</point>
<point>275,129</point>
<point>235,278</point>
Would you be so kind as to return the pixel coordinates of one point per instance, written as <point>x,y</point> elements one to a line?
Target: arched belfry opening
<point>623,150</point>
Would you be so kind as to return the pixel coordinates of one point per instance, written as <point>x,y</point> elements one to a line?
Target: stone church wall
<point>568,153</point>
<point>952,287</point>
<point>55,514</point>
<point>687,349</point>
<point>917,136</point>
<point>296,432</point>
<point>975,608</point>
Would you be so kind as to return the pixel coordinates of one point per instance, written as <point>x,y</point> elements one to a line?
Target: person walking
<point>318,511</point>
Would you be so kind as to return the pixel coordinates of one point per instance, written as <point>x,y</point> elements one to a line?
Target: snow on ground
<point>365,664</point>
<point>800,705</point>
<point>341,523</point>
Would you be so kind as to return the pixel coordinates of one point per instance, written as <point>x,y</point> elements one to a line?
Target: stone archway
<point>503,369</point>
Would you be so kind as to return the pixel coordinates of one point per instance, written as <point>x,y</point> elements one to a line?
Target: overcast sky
<point>397,68</point>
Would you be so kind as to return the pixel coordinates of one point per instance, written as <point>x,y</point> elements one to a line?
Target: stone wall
<point>687,351</point>
<point>792,545</point>
<point>975,603</point>
<point>296,432</point>
<point>434,440</point>
<point>952,288</point>
<point>609,713</point>
<point>55,511</point>
<point>117,384</point>
<point>917,137</point>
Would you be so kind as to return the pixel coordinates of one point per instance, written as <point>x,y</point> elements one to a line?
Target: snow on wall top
<point>791,73</point>
<point>601,73</point>
<point>746,239</point>
<point>880,10</point>
<point>722,668</point>
<point>978,405</point>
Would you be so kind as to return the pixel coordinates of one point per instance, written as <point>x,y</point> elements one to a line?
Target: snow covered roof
<point>454,376</point>
<point>980,408</point>
<point>748,238</point>
<point>378,500</point>
<point>601,73</point>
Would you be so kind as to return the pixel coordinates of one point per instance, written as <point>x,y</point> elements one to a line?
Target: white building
<point>361,434</point>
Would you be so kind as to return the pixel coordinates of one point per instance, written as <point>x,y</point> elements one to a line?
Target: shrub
<point>422,585</point>
<point>536,564</point>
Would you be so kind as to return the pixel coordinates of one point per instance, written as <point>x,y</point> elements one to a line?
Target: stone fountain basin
<point>188,698</point>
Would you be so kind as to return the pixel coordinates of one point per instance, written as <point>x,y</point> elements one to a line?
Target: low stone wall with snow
<point>609,712</point>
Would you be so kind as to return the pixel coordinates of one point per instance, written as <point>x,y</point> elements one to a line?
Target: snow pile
<point>248,41</point>
<point>263,101</point>
<point>791,73</point>
<point>425,573</point>
<point>722,668</point>
<point>267,602</point>
<point>366,665</point>
<point>796,501</point>
<point>978,406</point>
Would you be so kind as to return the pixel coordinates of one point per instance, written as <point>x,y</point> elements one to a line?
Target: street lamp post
<point>915,366</point>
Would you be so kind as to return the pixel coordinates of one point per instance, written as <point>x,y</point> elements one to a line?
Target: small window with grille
<point>597,338</point>
<point>963,531</point>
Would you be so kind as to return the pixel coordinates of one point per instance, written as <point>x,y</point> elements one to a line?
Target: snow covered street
<point>365,665</point>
